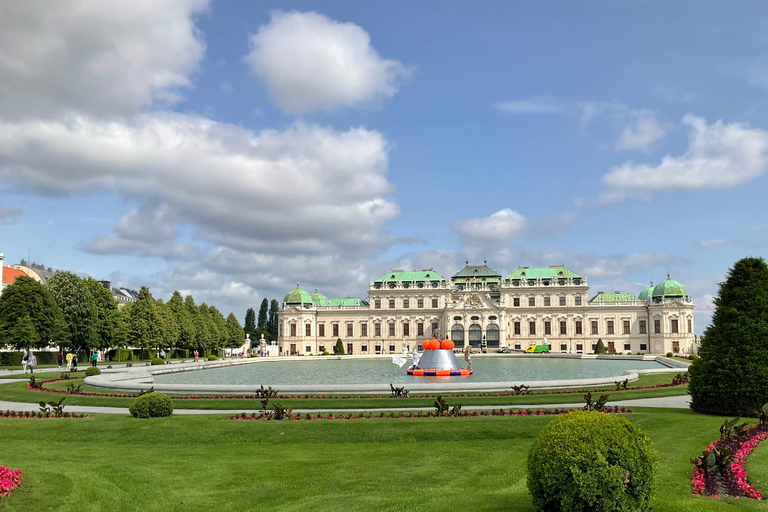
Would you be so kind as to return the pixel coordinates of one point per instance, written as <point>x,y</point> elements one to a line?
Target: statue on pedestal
<point>468,356</point>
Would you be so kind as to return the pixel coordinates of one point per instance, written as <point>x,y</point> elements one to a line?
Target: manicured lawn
<point>118,463</point>
<point>757,468</point>
<point>19,393</point>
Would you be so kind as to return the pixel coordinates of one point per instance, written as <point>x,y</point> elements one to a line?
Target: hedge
<point>152,405</point>
<point>10,358</point>
<point>181,354</point>
<point>120,354</point>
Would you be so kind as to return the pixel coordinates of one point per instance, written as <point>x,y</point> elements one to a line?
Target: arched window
<point>492,335</point>
<point>475,334</point>
<point>457,335</point>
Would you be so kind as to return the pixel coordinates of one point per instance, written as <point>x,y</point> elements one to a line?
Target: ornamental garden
<point>523,450</point>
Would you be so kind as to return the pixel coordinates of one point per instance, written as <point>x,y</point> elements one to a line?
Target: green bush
<point>585,461</point>
<point>692,357</point>
<point>181,354</point>
<point>669,354</point>
<point>212,358</point>
<point>47,358</point>
<point>92,371</point>
<point>157,361</point>
<point>152,405</point>
<point>339,348</point>
<point>10,358</point>
<point>120,354</point>
<point>600,347</point>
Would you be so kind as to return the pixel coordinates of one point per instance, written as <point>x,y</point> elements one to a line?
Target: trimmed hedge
<point>120,354</point>
<point>152,405</point>
<point>92,371</point>
<point>212,358</point>
<point>181,354</point>
<point>157,361</point>
<point>10,358</point>
<point>586,461</point>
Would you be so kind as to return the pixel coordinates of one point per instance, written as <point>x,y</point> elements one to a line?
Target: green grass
<point>118,463</point>
<point>757,468</point>
<point>17,392</point>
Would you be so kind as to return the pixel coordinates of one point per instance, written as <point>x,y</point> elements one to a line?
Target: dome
<point>319,298</point>
<point>298,296</point>
<point>647,293</point>
<point>669,288</point>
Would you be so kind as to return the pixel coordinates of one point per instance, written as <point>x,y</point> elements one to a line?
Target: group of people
<point>28,362</point>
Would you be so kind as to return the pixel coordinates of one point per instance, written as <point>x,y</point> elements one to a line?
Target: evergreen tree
<point>262,325</point>
<point>143,331</point>
<point>339,348</point>
<point>730,378</point>
<point>203,328</point>
<point>79,309</point>
<point>250,323</point>
<point>169,327</point>
<point>24,334</point>
<point>106,314</point>
<point>600,347</point>
<point>27,297</point>
<point>234,332</point>
<point>274,308</point>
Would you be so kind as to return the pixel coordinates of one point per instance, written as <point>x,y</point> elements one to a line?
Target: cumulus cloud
<point>497,228</point>
<point>639,127</point>
<point>536,105</point>
<point>311,62</point>
<point>719,155</point>
<point>8,213</point>
<point>95,57</point>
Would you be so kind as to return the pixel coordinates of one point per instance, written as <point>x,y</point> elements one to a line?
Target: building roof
<point>318,298</point>
<point>669,288</point>
<point>552,272</point>
<point>10,274</point>
<point>647,293</point>
<point>347,302</point>
<point>613,297</point>
<point>298,296</point>
<point>427,274</point>
<point>476,271</point>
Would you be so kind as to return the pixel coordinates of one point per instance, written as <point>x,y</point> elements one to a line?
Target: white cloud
<point>96,57</point>
<point>719,155</point>
<point>497,228</point>
<point>536,105</point>
<point>716,241</point>
<point>311,62</point>
<point>644,129</point>
<point>8,213</point>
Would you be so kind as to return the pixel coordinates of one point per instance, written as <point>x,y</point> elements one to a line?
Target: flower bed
<point>39,414</point>
<point>731,480</point>
<point>10,479</point>
<point>422,414</point>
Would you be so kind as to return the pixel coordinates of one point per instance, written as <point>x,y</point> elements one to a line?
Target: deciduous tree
<point>27,297</point>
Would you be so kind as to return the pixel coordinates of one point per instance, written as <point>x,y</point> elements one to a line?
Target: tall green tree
<point>220,323</point>
<point>79,309</point>
<point>143,330</point>
<point>122,321</point>
<point>234,332</point>
<point>730,377</point>
<point>106,314</point>
<point>262,325</point>
<point>274,308</point>
<point>169,327</point>
<point>24,334</point>
<point>176,304</point>
<point>204,327</point>
<point>27,297</point>
<point>190,325</point>
<point>250,323</point>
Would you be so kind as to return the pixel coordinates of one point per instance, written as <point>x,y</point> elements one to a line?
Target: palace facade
<point>480,307</point>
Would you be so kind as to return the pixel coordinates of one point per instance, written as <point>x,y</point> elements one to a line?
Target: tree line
<point>267,321</point>
<point>80,314</point>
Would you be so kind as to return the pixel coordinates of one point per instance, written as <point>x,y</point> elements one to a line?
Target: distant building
<point>8,275</point>
<point>39,273</point>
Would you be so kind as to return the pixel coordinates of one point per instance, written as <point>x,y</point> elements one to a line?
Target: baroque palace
<point>478,306</point>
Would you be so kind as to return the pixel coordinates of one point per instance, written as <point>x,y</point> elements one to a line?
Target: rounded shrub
<point>152,405</point>
<point>212,358</point>
<point>157,360</point>
<point>669,354</point>
<point>584,461</point>
<point>92,371</point>
<point>692,357</point>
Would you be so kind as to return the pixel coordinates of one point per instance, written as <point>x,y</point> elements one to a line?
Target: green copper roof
<point>319,298</point>
<point>477,271</point>
<point>298,296</point>
<point>613,297</point>
<point>347,302</point>
<point>544,273</point>
<point>412,275</point>
<point>669,288</point>
<point>647,293</point>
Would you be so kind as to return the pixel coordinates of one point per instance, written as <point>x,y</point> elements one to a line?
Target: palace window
<point>690,326</point>
<point>643,347</point>
<point>364,329</point>
<point>434,303</point>
<point>349,330</point>
<point>562,328</point>
<point>641,326</point>
<point>392,328</point>
<point>610,327</point>
<point>420,329</point>
<point>546,301</point>
<point>579,347</point>
<point>578,327</point>
<point>548,328</point>
<point>335,330</point>
<point>627,346</point>
<point>406,329</point>
<point>516,302</point>
<point>293,329</point>
<point>532,328</point>
<point>364,348</point>
<point>517,328</point>
<point>674,326</point>
<point>626,326</point>
<point>391,303</point>
<point>308,330</point>
<point>377,303</point>
<point>321,330</point>
<point>391,347</point>
<point>594,327</point>
<point>563,347</point>
<point>531,301</point>
<point>578,301</point>
<point>377,329</point>
<point>420,303</point>
<point>406,303</point>
<point>657,326</point>
<point>562,301</point>
<point>307,348</point>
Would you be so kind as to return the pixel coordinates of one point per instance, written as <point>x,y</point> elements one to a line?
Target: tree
<point>339,348</point>
<point>27,297</point>
<point>204,328</point>
<point>262,325</point>
<point>729,378</point>
<point>274,308</point>
<point>600,347</point>
<point>250,323</point>
<point>24,334</point>
<point>234,332</point>
<point>106,314</point>
<point>169,327</point>
<point>190,325</point>
<point>143,331</point>
<point>79,309</point>
<point>219,327</point>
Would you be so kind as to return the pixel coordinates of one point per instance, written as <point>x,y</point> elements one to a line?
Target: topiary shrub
<point>692,357</point>
<point>585,461</point>
<point>669,354</point>
<point>92,371</point>
<point>212,358</point>
<point>157,361</point>
<point>152,405</point>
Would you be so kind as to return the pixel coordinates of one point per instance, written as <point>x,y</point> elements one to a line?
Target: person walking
<point>69,361</point>
<point>61,358</point>
<point>32,363</point>
<point>74,362</point>
<point>196,355</point>
<point>24,361</point>
<point>95,358</point>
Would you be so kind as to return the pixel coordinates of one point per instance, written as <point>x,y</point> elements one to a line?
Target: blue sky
<point>231,149</point>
